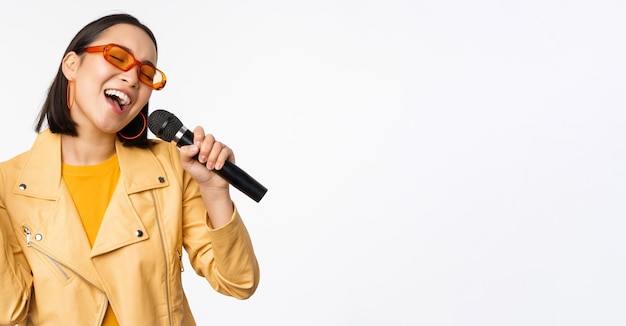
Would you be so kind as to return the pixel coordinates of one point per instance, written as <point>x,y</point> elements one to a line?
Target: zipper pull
<point>27,231</point>
<point>180,260</point>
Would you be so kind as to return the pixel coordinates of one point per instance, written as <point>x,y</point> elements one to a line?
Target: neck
<point>87,149</point>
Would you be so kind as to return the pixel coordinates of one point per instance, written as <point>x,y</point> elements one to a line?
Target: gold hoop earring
<point>140,133</point>
<point>70,94</point>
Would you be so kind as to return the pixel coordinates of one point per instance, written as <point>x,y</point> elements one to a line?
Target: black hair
<point>55,109</point>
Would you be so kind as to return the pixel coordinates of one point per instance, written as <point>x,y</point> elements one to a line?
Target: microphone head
<point>164,124</point>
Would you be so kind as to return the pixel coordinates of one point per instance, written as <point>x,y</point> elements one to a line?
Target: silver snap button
<point>22,186</point>
<point>38,236</point>
<point>161,179</point>
<point>139,233</point>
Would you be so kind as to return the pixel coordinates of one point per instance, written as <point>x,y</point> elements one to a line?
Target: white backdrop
<point>428,162</point>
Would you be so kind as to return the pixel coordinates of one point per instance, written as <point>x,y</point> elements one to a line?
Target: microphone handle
<point>237,177</point>
<point>242,181</point>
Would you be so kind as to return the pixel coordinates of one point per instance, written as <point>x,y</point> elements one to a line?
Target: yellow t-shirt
<point>91,187</point>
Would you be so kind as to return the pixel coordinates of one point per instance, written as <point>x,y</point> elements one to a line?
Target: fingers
<point>213,154</point>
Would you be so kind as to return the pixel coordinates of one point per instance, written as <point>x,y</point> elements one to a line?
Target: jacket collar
<point>41,175</point>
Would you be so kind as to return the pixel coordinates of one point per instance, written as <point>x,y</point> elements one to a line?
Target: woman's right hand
<point>212,155</point>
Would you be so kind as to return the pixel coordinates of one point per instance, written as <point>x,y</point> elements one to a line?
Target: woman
<point>93,218</point>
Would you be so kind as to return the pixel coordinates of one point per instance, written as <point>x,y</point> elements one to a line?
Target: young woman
<point>93,218</point>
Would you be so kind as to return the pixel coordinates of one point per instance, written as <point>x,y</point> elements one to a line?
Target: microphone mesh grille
<point>164,124</point>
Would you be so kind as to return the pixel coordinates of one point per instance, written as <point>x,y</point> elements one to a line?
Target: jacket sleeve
<point>224,256</point>
<point>15,276</point>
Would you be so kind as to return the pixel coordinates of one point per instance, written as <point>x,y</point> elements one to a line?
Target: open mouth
<point>118,97</point>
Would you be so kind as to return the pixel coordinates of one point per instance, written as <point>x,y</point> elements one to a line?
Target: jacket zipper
<point>180,260</point>
<point>54,262</point>
<point>29,243</point>
<point>167,279</point>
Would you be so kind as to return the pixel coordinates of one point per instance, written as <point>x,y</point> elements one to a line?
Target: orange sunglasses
<point>124,60</point>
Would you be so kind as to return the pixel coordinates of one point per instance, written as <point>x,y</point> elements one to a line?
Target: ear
<point>70,64</point>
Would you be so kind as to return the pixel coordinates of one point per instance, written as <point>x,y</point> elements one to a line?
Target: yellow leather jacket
<point>50,275</point>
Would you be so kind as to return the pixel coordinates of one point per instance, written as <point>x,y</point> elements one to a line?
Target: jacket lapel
<point>121,225</point>
<point>53,216</point>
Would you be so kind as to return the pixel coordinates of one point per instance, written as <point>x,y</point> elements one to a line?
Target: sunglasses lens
<point>147,74</point>
<point>119,57</point>
<point>150,76</point>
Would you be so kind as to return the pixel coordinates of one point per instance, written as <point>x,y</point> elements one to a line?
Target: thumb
<point>188,153</point>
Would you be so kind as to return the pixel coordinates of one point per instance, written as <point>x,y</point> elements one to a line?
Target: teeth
<point>124,99</point>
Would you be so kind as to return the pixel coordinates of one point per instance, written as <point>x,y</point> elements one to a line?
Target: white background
<point>428,162</point>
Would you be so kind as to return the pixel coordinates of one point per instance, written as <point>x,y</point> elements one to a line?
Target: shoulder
<point>44,140</point>
<point>10,171</point>
<point>167,154</point>
<point>164,150</point>
<point>14,163</point>
<point>45,145</point>
<point>162,146</point>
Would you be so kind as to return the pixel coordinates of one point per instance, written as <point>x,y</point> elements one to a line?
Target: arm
<point>218,244</point>
<point>224,256</point>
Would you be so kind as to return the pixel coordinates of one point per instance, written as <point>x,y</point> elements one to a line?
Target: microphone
<point>168,127</point>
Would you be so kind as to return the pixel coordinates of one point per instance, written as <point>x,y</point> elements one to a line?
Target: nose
<point>131,77</point>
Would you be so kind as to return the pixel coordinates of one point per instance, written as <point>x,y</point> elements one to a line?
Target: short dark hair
<point>55,110</point>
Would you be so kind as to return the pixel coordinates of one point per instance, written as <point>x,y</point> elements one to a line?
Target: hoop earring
<point>139,134</point>
<point>70,94</point>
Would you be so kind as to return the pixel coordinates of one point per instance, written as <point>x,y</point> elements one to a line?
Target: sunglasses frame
<point>105,49</point>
